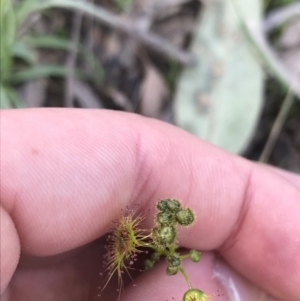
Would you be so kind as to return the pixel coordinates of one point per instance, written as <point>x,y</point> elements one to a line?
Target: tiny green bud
<point>195,255</point>
<point>194,294</point>
<point>148,264</point>
<point>174,260</point>
<point>155,256</point>
<point>172,270</point>
<point>164,235</point>
<point>185,217</point>
<point>173,205</point>
<point>165,218</point>
<point>162,205</point>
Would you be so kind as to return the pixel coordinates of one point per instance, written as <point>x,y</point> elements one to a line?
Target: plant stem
<point>277,126</point>
<point>185,256</point>
<point>183,272</point>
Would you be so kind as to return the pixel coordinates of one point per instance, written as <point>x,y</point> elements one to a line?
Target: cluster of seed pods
<point>126,240</point>
<point>170,215</point>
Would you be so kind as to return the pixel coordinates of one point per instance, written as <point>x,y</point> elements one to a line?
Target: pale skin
<point>67,173</point>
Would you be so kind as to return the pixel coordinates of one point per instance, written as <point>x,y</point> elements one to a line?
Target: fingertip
<point>9,249</point>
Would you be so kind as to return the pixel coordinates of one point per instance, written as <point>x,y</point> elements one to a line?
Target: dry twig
<point>277,126</point>
<point>71,62</point>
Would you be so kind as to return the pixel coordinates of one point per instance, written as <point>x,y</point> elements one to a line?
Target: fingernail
<point>236,287</point>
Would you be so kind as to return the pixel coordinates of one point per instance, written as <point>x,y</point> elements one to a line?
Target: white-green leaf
<point>220,98</point>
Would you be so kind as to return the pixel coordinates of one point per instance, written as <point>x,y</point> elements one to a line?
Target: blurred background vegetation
<point>226,70</point>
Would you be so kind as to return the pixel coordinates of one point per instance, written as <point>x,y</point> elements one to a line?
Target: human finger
<point>9,250</point>
<point>71,171</point>
<point>293,178</point>
<point>211,275</point>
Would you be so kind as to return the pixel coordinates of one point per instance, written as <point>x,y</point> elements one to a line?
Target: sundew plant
<point>126,241</point>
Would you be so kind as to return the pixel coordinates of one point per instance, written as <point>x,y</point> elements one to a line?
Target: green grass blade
<point>51,41</point>
<point>9,98</point>
<point>20,49</point>
<point>14,97</point>
<point>54,42</point>
<point>7,35</point>
<point>8,23</point>
<point>79,5</point>
<point>41,71</point>
<point>4,99</point>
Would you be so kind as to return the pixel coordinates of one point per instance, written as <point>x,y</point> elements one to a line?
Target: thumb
<point>9,249</point>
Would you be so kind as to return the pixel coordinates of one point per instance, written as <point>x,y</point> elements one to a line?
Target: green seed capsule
<point>165,218</point>
<point>195,255</point>
<point>164,235</point>
<point>195,295</point>
<point>173,205</point>
<point>172,271</point>
<point>174,260</point>
<point>185,217</point>
<point>148,264</point>
<point>162,205</point>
